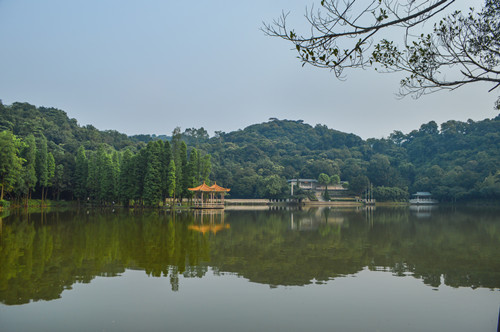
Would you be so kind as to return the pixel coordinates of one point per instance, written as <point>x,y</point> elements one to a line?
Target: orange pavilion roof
<point>219,188</point>
<point>204,187</point>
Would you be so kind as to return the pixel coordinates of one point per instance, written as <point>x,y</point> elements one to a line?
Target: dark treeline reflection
<point>43,254</point>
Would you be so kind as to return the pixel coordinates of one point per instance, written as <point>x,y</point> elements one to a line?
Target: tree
<point>324,179</point>
<point>59,181</point>
<point>140,169</point>
<point>275,186</point>
<point>28,153</point>
<point>106,178</point>
<point>42,164</point>
<point>461,49</point>
<point>81,173</point>
<point>127,178</point>
<point>165,157</point>
<point>181,170</point>
<point>171,181</point>
<point>190,175</point>
<point>379,170</point>
<point>359,184</point>
<point>92,176</point>
<point>51,170</point>
<point>205,168</point>
<point>10,162</point>
<point>335,179</point>
<point>152,180</point>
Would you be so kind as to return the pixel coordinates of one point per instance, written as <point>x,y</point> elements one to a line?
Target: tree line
<point>454,161</point>
<point>46,154</point>
<point>161,170</point>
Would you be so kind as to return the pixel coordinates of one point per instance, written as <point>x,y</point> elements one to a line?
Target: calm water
<point>388,269</point>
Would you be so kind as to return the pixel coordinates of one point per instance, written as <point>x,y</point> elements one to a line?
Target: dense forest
<point>45,154</point>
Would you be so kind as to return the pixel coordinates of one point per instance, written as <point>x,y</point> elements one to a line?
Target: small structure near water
<point>317,189</point>
<point>422,198</point>
<point>209,197</point>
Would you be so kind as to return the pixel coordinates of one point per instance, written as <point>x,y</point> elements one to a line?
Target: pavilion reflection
<point>423,211</point>
<point>208,221</point>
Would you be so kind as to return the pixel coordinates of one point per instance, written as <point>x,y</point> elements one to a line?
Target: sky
<point>146,67</point>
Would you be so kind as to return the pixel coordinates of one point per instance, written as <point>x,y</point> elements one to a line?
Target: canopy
<point>205,188</point>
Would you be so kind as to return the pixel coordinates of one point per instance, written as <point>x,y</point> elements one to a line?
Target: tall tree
<point>81,174</point>
<point>324,179</point>
<point>106,179</point>
<point>93,176</point>
<point>206,168</point>
<point>171,180</point>
<point>10,162</point>
<point>152,179</point>
<point>165,157</point>
<point>28,153</point>
<point>42,165</point>
<point>140,169</point>
<point>181,169</point>
<point>190,177</point>
<point>127,178</point>
<point>59,182</point>
<point>51,171</point>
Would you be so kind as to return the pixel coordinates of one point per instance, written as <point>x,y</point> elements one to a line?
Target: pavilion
<point>209,197</point>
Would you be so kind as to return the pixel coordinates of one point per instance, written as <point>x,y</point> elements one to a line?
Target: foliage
<point>49,153</point>
<point>390,194</point>
<point>461,49</point>
<point>10,162</point>
<point>455,161</point>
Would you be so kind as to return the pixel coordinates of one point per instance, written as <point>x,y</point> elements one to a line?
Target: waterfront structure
<point>209,197</point>
<point>317,188</point>
<point>422,198</point>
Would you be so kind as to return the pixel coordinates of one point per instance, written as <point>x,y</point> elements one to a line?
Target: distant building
<point>422,198</point>
<point>306,184</point>
<point>314,186</point>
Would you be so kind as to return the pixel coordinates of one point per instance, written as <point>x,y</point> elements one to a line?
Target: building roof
<point>422,193</point>
<point>205,188</point>
<point>302,180</point>
<point>219,188</point>
<point>202,187</point>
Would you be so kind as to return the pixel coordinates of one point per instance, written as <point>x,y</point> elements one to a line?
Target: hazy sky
<point>149,66</point>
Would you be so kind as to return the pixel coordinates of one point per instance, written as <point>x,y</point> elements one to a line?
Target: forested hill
<point>294,135</point>
<point>454,160</point>
<point>24,119</point>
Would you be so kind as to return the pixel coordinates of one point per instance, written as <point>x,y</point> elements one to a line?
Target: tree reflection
<point>43,254</point>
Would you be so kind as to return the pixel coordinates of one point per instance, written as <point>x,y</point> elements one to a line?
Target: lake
<point>251,269</point>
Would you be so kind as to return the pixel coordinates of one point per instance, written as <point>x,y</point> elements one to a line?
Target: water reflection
<point>42,254</point>
<point>209,220</point>
<point>312,219</point>
<point>423,211</point>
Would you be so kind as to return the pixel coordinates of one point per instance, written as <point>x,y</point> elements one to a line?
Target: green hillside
<point>455,161</point>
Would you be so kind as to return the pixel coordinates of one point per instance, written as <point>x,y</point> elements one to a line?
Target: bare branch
<point>462,49</point>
